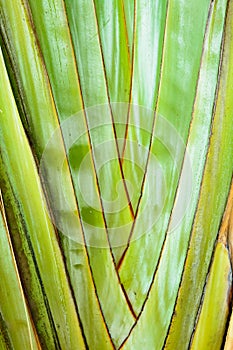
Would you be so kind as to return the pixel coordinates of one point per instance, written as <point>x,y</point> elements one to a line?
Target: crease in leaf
<point>172,134</point>
<point>214,310</point>
<point>14,311</point>
<point>37,235</point>
<point>215,187</point>
<point>104,267</point>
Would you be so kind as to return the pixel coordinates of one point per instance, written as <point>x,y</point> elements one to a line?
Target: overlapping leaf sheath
<point>101,268</point>
<point>213,196</point>
<point>34,239</point>
<point>217,295</point>
<point>229,230</point>
<point>173,117</point>
<point>16,327</point>
<point>116,165</point>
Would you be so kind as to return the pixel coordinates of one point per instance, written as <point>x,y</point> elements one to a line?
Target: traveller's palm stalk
<point>116,168</point>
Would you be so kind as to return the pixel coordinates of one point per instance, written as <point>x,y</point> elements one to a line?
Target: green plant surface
<point>14,313</point>
<point>115,171</point>
<point>213,314</point>
<point>93,82</point>
<point>212,321</point>
<point>35,230</point>
<point>229,229</point>
<point>143,252</point>
<point>129,16</point>
<point>101,261</point>
<point>214,191</point>
<point>113,39</point>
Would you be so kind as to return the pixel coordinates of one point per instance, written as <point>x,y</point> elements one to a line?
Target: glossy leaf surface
<point>116,165</point>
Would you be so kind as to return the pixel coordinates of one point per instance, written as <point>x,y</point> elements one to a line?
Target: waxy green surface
<point>215,187</point>
<point>17,330</point>
<point>35,230</point>
<point>102,266</point>
<point>145,252</point>
<point>210,329</point>
<point>101,55</point>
